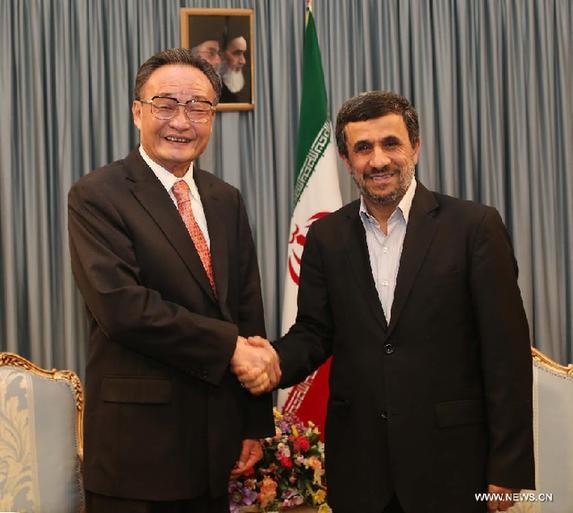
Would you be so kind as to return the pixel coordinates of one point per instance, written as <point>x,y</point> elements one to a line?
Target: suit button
<point>388,348</point>
<point>384,415</point>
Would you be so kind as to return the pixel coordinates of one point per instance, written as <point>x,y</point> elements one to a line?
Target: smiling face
<point>380,159</point>
<point>176,142</point>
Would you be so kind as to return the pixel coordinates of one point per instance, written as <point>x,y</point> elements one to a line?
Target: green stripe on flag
<point>313,106</point>
<point>312,157</point>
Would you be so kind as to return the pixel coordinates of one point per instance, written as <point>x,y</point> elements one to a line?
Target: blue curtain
<point>491,79</point>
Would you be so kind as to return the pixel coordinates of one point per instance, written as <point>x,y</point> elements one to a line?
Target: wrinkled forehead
<point>238,43</point>
<point>182,81</point>
<point>209,45</point>
<point>376,128</point>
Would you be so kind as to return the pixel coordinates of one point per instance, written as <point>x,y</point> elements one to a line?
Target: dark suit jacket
<point>437,404</point>
<point>164,416</point>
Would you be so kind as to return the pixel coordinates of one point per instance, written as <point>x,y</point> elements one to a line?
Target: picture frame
<point>224,38</point>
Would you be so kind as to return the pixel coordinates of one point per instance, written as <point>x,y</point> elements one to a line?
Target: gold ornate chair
<point>40,438</point>
<point>553,437</point>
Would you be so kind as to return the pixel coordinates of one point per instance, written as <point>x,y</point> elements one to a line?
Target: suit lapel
<point>360,263</point>
<point>217,235</point>
<point>422,226</point>
<point>149,191</point>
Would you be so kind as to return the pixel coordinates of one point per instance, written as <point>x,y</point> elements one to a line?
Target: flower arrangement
<point>290,473</point>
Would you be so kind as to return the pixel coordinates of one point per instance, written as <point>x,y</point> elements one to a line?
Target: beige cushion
<point>553,432</point>
<point>39,447</point>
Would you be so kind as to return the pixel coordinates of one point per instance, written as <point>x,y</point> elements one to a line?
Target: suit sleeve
<point>309,341</point>
<point>259,418</point>
<point>251,313</point>
<point>506,355</point>
<point>126,311</point>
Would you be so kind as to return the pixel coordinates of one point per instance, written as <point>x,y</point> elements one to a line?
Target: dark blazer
<point>164,416</point>
<point>437,404</point>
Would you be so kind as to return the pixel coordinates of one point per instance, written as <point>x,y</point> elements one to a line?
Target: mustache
<point>385,171</point>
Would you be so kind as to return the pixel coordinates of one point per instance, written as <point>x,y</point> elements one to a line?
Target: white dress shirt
<point>385,250</point>
<point>168,179</point>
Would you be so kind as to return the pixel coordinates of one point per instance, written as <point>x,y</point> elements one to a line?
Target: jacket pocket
<point>459,413</point>
<point>136,390</point>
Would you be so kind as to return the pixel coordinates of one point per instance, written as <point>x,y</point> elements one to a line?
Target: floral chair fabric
<point>40,438</point>
<point>553,432</point>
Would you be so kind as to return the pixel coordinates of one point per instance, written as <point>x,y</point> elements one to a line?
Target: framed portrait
<point>224,38</point>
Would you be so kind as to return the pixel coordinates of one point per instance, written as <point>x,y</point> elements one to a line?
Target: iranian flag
<point>317,193</point>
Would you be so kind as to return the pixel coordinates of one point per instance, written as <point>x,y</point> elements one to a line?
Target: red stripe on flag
<point>308,399</point>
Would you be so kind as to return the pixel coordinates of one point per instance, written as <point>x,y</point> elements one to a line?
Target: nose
<point>180,120</point>
<point>379,158</point>
<point>242,60</point>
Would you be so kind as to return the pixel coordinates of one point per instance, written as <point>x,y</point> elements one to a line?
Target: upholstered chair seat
<point>553,437</point>
<point>40,438</point>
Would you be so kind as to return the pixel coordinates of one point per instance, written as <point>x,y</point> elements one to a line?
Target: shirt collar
<point>168,179</point>
<point>404,206</point>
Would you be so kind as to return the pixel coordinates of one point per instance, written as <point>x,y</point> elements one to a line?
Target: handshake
<point>256,365</point>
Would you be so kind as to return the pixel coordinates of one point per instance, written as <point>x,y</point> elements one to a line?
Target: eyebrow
<point>166,94</point>
<point>391,138</point>
<point>194,97</point>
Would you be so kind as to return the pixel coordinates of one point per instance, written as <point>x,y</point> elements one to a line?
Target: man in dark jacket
<point>163,256</point>
<point>415,296</point>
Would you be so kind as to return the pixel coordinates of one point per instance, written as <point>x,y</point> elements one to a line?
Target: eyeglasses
<point>165,107</point>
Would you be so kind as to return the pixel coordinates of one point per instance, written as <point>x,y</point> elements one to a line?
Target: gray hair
<point>176,56</point>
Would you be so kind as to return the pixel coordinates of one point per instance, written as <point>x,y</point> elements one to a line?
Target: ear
<point>136,111</point>
<point>416,151</point>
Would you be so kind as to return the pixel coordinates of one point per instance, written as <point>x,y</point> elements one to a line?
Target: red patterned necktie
<point>182,195</point>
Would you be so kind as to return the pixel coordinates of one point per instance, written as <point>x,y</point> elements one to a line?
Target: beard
<point>406,175</point>
<point>234,80</point>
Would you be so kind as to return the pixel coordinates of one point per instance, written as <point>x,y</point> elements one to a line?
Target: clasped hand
<point>256,364</point>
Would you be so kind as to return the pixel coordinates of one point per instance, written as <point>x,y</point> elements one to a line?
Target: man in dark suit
<point>415,296</point>
<point>163,256</point>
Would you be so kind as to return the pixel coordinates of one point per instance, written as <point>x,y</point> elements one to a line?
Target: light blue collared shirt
<point>385,250</point>
<point>168,179</point>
